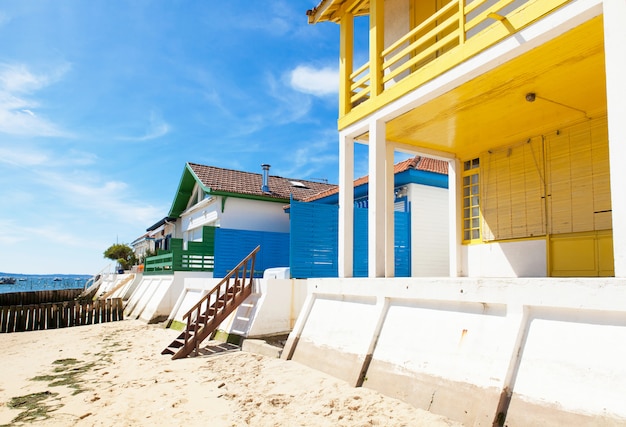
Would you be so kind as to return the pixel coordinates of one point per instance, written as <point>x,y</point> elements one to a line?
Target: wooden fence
<point>34,317</point>
<point>38,297</point>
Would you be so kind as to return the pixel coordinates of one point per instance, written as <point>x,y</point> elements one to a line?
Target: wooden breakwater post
<point>34,317</point>
<point>39,297</point>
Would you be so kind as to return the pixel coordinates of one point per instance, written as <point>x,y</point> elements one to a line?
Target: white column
<point>346,206</point>
<point>615,63</point>
<point>390,264</point>
<point>377,244</point>
<point>454,217</point>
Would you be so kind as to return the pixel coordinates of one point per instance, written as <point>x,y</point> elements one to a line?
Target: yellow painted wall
<point>582,254</point>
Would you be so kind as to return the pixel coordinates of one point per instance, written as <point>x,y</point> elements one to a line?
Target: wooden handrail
<point>431,20</point>
<point>460,29</point>
<point>226,278</point>
<point>218,302</point>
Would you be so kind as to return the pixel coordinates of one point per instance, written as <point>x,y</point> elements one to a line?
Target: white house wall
<point>524,258</point>
<point>205,213</point>
<point>239,214</point>
<point>429,231</point>
<point>247,214</point>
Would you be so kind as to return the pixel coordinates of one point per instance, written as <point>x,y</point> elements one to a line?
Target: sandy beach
<point>113,374</point>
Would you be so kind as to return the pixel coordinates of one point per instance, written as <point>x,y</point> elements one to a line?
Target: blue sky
<point>103,101</point>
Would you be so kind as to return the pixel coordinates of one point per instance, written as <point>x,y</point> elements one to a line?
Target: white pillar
<point>390,264</point>
<point>346,206</point>
<point>377,245</point>
<point>615,63</point>
<point>454,217</point>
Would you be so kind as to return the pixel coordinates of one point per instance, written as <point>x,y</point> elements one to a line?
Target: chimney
<point>266,171</point>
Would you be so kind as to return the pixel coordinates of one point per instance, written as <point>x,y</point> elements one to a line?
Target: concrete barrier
<point>481,351</point>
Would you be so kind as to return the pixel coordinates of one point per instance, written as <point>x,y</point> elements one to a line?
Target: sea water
<point>29,283</point>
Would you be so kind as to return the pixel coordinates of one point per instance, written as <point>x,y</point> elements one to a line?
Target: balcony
<point>219,250</point>
<point>167,262</point>
<point>456,32</point>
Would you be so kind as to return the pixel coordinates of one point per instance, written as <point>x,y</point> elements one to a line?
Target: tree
<point>121,253</point>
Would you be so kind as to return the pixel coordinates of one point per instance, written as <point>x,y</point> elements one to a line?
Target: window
<point>471,203</point>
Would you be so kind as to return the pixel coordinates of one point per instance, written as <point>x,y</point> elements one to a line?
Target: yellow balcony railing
<point>456,32</point>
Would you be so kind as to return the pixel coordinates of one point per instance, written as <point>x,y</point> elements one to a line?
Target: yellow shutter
<point>513,203</point>
<point>601,178</point>
<point>578,178</point>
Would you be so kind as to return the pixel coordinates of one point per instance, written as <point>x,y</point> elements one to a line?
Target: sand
<point>114,375</point>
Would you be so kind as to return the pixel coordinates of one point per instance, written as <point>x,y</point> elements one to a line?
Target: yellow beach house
<point>514,95</point>
<point>526,101</point>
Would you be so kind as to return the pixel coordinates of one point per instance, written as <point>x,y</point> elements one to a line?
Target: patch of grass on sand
<point>32,406</point>
<point>66,372</point>
<point>104,357</point>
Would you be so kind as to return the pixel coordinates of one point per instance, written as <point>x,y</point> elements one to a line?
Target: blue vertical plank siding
<point>402,244</point>
<point>359,268</point>
<point>314,240</point>
<point>231,246</point>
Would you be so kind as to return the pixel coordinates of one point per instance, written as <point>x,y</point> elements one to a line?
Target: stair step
<point>216,312</point>
<point>176,344</point>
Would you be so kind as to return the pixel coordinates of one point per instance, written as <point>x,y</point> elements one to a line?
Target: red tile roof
<point>418,163</point>
<point>248,183</point>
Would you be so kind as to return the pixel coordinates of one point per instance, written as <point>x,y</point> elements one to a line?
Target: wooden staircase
<point>204,317</point>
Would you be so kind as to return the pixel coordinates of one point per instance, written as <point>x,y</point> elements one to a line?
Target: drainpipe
<point>266,170</point>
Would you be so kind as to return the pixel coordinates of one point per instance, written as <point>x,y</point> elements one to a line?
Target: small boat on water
<point>57,279</point>
<point>7,280</point>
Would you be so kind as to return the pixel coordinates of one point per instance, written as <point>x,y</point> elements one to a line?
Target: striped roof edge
<point>419,163</point>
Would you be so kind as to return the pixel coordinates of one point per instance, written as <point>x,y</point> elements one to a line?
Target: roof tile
<point>248,183</point>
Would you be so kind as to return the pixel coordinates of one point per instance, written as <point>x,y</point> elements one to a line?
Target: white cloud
<point>19,78</point>
<point>28,156</point>
<point>286,106</point>
<point>315,81</point>
<point>313,157</point>
<point>157,127</point>
<point>17,111</point>
<point>18,157</point>
<point>22,123</point>
<point>110,199</point>
<point>11,234</point>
